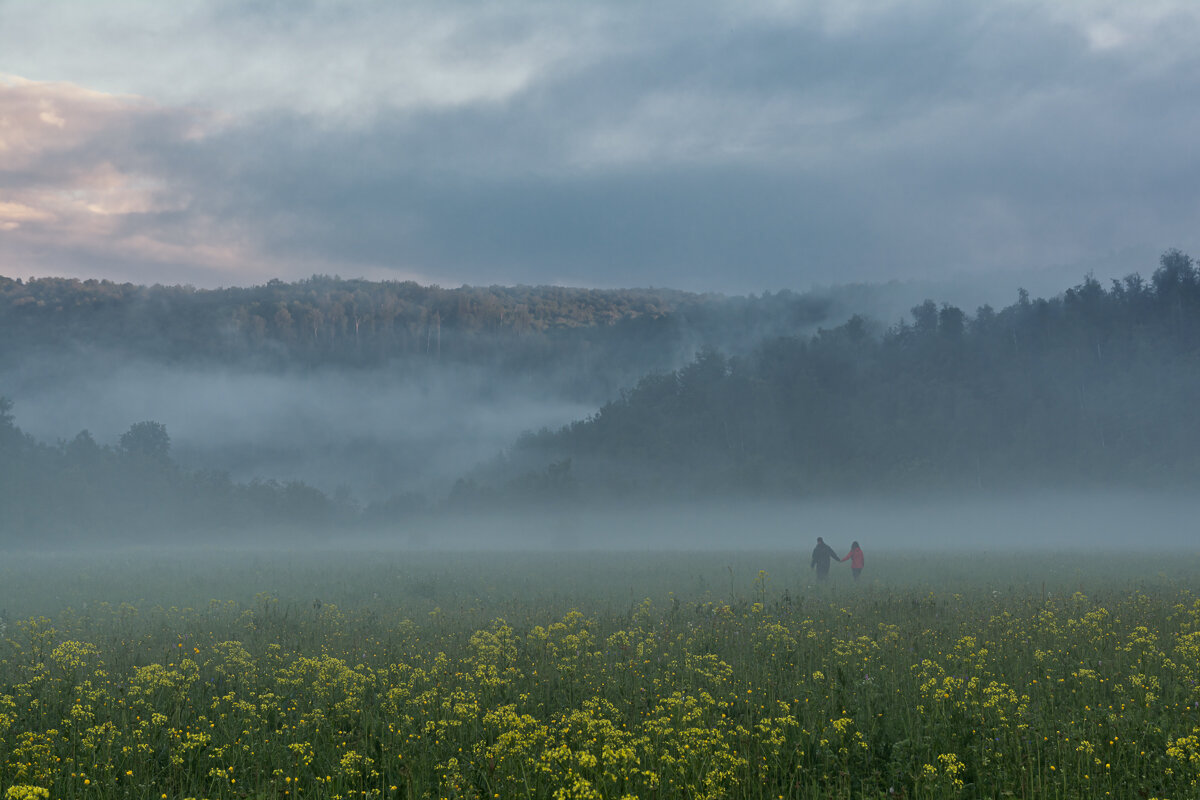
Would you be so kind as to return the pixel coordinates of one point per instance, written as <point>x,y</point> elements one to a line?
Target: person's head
<point>854,546</point>
<point>820,540</point>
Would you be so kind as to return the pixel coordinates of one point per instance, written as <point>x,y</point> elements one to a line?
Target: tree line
<point>80,490</point>
<point>1094,387</point>
<point>345,321</point>
<point>585,342</point>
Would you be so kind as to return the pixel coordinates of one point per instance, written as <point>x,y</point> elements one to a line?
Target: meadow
<point>576,674</point>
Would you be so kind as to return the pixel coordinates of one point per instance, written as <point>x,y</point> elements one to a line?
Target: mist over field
<point>1065,522</point>
<point>375,432</point>
<point>447,400</point>
<point>333,528</point>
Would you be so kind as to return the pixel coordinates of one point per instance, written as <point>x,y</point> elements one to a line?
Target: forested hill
<point>1094,387</point>
<point>1097,386</point>
<point>321,317</point>
<point>327,320</point>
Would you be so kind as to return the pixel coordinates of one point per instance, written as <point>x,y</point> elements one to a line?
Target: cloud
<point>344,61</point>
<point>1112,25</point>
<point>94,183</point>
<point>713,146</point>
<point>76,163</point>
<point>13,214</point>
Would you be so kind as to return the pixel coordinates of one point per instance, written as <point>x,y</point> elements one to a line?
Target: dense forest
<point>588,340</point>
<point>1095,387</point>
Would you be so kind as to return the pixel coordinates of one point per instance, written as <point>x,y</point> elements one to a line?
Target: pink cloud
<point>83,179</point>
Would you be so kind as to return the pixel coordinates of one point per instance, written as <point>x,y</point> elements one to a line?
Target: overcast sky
<point>706,145</point>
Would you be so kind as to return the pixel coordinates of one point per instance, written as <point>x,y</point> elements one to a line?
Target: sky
<point>707,145</point>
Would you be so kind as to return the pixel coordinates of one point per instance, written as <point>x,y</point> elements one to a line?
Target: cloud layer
<point>710,146</point>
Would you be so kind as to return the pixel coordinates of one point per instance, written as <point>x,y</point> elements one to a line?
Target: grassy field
<point>598,675</point>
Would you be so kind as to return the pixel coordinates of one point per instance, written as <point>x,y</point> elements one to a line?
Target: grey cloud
<point>707,147</point>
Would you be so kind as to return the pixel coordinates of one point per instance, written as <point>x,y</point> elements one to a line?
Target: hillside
<point>1094,387</point>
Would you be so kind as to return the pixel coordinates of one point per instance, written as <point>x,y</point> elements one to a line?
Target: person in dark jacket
<point>822,554</point>
<point>855,557</point>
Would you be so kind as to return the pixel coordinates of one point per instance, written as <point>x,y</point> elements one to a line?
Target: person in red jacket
<point>855,557</point>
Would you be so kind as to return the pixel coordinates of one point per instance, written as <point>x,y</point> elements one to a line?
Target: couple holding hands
<point>823,554</point>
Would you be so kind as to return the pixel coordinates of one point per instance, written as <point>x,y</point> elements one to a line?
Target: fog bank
<point>375,432</point>
<point>1084,522</point>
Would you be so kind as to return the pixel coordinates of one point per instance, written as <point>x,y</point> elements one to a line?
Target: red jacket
<point>855,557</point>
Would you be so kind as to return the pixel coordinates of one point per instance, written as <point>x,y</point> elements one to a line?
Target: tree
<point>925,317</point>
<point>82,451</point>
<point>6,417</point>
<point>10,434</point>
<point>148,440</point>
<point>1175,273</point>
<point>952,322</point>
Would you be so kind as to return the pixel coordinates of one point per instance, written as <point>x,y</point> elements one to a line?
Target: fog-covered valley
<point>376,432</point>
<point>723,401</point>
<point>317,411</point>
<point>409,422</point>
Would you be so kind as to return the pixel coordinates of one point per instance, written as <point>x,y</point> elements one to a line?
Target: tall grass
<point>579,675</point>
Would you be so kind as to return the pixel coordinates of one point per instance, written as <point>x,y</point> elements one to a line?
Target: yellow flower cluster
<point>907,692</point>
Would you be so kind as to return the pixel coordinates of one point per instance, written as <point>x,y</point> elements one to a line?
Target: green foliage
<point>1094,387</point>
<point>904,687</point>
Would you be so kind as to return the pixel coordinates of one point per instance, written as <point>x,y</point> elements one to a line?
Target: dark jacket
<point>822,553</point>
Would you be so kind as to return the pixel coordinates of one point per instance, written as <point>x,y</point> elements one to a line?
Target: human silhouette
<point>822,554</point>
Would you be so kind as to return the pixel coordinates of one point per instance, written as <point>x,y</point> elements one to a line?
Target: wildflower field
<point>592,675</point>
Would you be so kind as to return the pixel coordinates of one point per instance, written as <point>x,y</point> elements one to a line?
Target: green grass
<point>598,675</point>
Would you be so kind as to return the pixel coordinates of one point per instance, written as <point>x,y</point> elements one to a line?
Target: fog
<point>1064,524</point>
<point>415,427</point>
<point>1018,544</point>
<point>1066,521</point>
<point>375,432</point>
<point>892,301</point>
